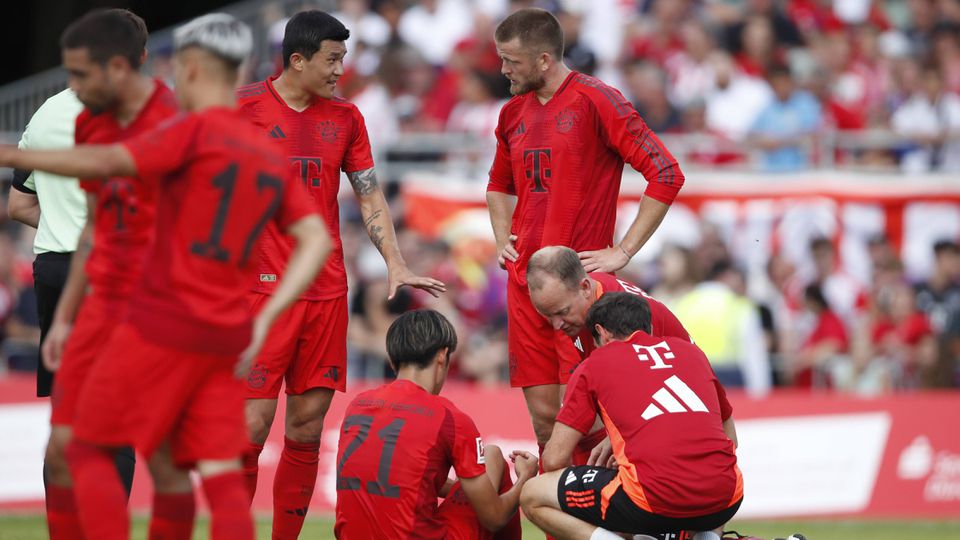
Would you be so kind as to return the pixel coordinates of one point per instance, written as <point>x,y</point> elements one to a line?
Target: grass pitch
<point>33,527</point>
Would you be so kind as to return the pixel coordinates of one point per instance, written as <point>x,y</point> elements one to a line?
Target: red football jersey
<point>327,137</point>
<point>663,409</point>
<point>664,323</point>
<point>564,161</point>
<point>220,184</point>
<point>397,444</point>
<point>123,225</point>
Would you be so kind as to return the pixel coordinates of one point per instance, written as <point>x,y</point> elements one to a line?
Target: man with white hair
<point>170,372</point>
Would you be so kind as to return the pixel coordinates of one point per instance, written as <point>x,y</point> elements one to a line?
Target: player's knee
<point>258,424</point>
<point>167,477</point>
<point>543,428</point>
<point>529,497</point>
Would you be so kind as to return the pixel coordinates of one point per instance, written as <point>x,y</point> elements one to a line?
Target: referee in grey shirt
<point>57,208</point>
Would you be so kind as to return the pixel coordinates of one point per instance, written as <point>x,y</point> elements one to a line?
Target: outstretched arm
<point>379,225</point>
<point>84,161</point>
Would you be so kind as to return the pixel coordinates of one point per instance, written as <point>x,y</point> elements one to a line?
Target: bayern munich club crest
<point>565,120</point>
<point>328,131</point>
<point>257,377</point>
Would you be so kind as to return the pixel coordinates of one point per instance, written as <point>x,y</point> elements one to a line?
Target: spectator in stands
<point>656,37</point>
<point>939,295</point>
<point>760,51</point>
<point>726,326</point>
<point>736,100</point>
<point>785,32</point>
<point>931,120</point>
<point>576,54</point>
<point>946,53</point>
<point>365,25</point>
<point>482,94</point>
<point>846,296</point>
<point>903,336</point>
<point>676,277</point>
<point>824,347</point>
<point>784,129</point>
<point>647,86</point>
<point>691,72</point>
<point>434,27</point>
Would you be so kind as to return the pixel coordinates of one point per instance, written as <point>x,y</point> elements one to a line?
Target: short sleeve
<point>23,182</point>
<point>624,132</point>
<point>166,147</point>
<point>726,410</point>
<point>579,408</point>
<point>468,457</point>
<point>501,172</point>
<point>295,205</point>
<point>358,156</point>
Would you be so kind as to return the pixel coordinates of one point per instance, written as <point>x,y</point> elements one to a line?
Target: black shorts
<point>579,491</point>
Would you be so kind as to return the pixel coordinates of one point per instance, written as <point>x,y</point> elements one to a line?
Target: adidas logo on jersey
<point>672,404</point>
<point>268,278</point>
<point>277,133</point>
<point>571,478</point>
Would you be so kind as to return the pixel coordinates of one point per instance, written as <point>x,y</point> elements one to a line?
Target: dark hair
<point>106,33</point>
<point>942,247</point>
<point>779,70</point>
<point>821,243</point>
<point>813,293</point>
<point>416,336</point>
<point>620,313</point>
<point>560,262</point>
<point>536,28</point>
<point>306,30</point>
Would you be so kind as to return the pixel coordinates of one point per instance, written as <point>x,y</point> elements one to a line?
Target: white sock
<point>602,534</point>
<point>706,535</point>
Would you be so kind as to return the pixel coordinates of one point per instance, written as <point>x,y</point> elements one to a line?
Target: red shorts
<point>461,521</point>
<point>307,347</point>
<point>95,323</point>
<point>142,393</point>
<point>539,354</point>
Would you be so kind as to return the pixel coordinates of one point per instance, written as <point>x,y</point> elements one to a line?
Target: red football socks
<point>251,466</point>
<point>100,498</point>
<point>172,517</point>
<point>293,487</point>
<point>230,517</point>
<point>62,519</point>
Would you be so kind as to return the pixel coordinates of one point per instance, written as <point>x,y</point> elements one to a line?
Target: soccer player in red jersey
<point>646,389</point>
<point>562,291</point>
<point>170,372</point>
<point>561,146</point>
<point>103,52</point>
<point>321,135</point>
<point>398,442</point>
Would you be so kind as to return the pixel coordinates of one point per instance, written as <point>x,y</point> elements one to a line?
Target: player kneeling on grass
<point>674,461</point>
<point>398,442</point>
<point>169,376</point>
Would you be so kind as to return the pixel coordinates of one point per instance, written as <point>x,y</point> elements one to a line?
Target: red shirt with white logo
<point>564,161</point>
<point>663,409</point>
<point>327,137</point>
<point>663,321</point>
<point>397,444</point>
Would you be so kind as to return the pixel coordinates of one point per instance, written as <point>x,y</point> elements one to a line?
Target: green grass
<point>32,527</point>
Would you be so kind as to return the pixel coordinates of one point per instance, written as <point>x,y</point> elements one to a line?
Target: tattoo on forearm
<point>373,217</point>
<point>376,236</point>
<point>364,182</point>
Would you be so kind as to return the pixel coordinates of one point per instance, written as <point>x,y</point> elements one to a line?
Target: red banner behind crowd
<point>802,454</point>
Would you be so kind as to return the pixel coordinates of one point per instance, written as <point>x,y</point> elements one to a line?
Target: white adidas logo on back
<point>671,403</point>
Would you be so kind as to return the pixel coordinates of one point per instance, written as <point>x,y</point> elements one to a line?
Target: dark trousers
<point>49,277</point>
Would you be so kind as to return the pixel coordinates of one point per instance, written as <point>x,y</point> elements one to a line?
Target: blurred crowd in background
<point>748,82</point>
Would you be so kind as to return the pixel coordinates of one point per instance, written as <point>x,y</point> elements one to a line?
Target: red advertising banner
<point>801,454</point>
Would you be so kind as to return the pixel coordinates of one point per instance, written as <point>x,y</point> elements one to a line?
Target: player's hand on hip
<point>605,260</point>
<point>507,252</point>
<point>525,464</point>
<point>399,277</point>
<point>56,339</point>
<point>242,367</point>
<point>600,454</point>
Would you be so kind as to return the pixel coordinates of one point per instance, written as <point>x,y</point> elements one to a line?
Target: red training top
<point>564,161</point>
<point>397,444</point>
<point>221,183</point>
<point>123,226</point>
<point>320,141</point>
<point>664,323</point>
<point>664,409</point>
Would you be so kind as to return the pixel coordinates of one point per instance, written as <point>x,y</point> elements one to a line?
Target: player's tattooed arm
<point>364,182</point>
<point>379,225</point>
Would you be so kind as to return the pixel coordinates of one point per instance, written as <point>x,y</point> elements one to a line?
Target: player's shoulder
<point>514,104</point>
<point>600,94</point>
<point>252,92</point>
<point>609,282</point>
<point>451,408</point>
<point>166,100</point>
